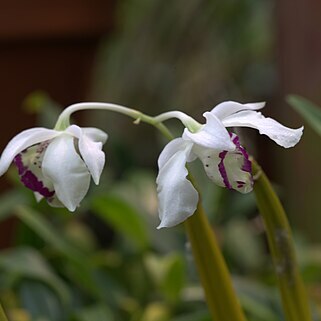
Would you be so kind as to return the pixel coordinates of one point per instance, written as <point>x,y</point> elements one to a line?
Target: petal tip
<point>96,179</point>
<point>71,208</point>
<point>296,137</point>
<point>260,104</point>
<point>160,226</point>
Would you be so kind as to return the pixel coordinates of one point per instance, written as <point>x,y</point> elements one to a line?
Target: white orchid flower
<point>57,164</point>
<point>225,161</point>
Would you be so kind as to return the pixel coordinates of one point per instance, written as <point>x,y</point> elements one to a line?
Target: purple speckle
<point>18,162</point>
<point>30,180</point>
<point>240,184</point>
<point>247,165</point>
<point>222,170</point>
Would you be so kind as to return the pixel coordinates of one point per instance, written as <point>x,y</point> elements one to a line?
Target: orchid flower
<point>57,164</point>
<point>225,160</point>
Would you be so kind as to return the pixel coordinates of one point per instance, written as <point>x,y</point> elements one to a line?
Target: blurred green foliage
<point>108,261</point>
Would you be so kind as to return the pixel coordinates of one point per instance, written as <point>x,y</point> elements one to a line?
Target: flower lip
<point>222,170</point>
<point>30,180</point>
<point>247,166</point>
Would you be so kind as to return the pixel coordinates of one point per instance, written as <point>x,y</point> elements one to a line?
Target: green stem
<point>164,130</point>
<point>212,269</point>
<point>64,119</point>
<point>186,120</point>
<point>294,297</point>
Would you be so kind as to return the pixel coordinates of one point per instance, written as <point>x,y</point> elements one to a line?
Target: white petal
<point>68,173</point>
<point>95,134</point>
<point>177,196</point>
<point>284,136</point>
<point>90,146</point>
<point>171,149</point>
<point>227,108</point>
<point>212,135</point>
<point>210,159</point>
<point>22,141</point>
<point>38,196</point>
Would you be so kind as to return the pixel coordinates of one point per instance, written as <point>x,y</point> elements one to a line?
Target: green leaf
<point>77,261</point>
<point>238,236</point>
<point>168,273</point>
<point>156,311</point>
<point>40,103</point>
<point>40,301</point>
<point>94,313</point>
<point>35,101</point>
<point>28,263</point>
<point>194,316</point>
<point>3,316</point>
<point>45,230</point>
<point>9,201</point>
<point>123,218</point>
<point>174,279</point>
<point>309,111</point>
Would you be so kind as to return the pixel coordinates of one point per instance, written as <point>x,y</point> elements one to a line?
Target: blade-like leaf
<point>123,218</point>
<point>40,301</point>
<point>75,258</point>
<point>194,316</point>
<point>47,232</point>
<point>168,272</point>
<point>309,111</point>
<point>9,201</point>
<point>23,263</point>
<point>3,316</point>
<point>94,313</point>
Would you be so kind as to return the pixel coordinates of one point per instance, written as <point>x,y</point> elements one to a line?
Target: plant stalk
<point>214,275</point>
<point>293,293</point>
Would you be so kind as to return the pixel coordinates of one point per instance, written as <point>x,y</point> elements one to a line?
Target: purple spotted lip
<point>30,180</point>
<point>222,170</point>
<point>246,167</point>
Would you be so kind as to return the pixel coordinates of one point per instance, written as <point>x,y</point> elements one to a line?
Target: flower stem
<point>186,120</point>
<point>64,119</point>
<point>213,272</point>
<point>294,297</point>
